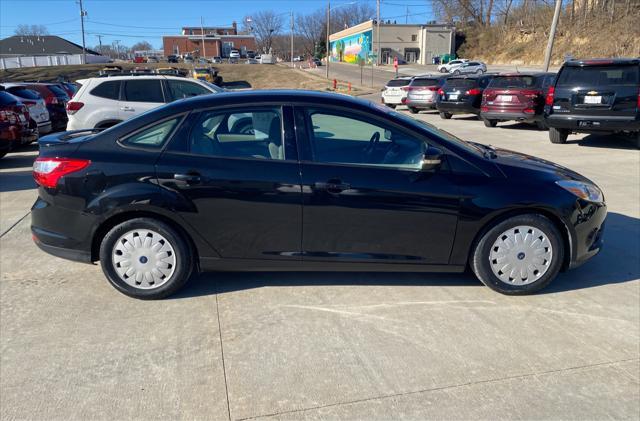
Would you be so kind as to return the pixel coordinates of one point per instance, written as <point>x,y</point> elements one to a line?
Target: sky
<point>131,21</point>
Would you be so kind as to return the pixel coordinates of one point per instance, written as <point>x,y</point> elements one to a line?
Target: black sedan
<point>295,180</point>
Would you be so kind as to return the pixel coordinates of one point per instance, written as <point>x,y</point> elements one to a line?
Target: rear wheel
<point>558,135</point>
<point>520,255</point>
<point>490,122</point>
<point>391,105</point>
<point>413,110</point>
<point>445,115</point>
<point>456,72</point>
<point>146,258</point>
<point>541,125</point>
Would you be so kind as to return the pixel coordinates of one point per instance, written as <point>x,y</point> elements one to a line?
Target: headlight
<point>583,190</point>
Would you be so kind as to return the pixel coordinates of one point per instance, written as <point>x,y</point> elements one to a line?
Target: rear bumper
<point>511,115</point>
<point>421,103</point>
<point>593,124</point>
<point>457,107</point>
<point>82,256</point>
<point>394,100</point>
<point>45,127</point>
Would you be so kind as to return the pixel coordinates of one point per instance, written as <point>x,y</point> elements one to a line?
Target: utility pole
<point>84,49</point>
<point>117,42</point>
<point>100,42</point>
<point>328,26</point>
<point>406,17</point>
<point>552,34</point>
<point>292,38</point>
<point>204,49</point>
<point>378,51</point>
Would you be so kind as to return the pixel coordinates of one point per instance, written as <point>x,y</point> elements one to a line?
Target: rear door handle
<point>190,178</point>
<point>333,186</point>
<point>127,109</point>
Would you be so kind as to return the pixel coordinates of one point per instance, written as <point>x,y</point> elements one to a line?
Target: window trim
<point>181,116</point>
<point>241,108</point>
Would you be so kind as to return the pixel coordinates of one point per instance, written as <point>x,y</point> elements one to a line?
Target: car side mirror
<point>432,159</point>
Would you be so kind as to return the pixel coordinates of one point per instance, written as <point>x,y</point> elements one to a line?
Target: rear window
<point>599,76</point>
<point>424,82</point>
<point>24,93</point>
<point>393,83</point>
<point>460,83</point>
<point>143,90</point>
<point>513,82</point>
<point>6,99</point>
<point>57,91</point>
<point>109,90</point>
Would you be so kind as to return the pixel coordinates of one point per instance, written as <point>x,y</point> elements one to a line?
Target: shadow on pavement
<point>618,262</point>
<point>607,141</point>
<point>16,180</point>
<point>13,160</point>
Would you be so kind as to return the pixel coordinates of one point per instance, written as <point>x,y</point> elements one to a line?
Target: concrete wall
<point>53,60</point>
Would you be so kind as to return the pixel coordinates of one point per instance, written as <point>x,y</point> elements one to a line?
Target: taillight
<point>484,109</point>
<point>432,88</point>
<point>440,91</point>
<point>51,100</point>
<point>47,171</point>
<point>406,88</point>
<point>529,111</point>
<point>74,106</point>
<point>474,91</point>
<point>551,92</point>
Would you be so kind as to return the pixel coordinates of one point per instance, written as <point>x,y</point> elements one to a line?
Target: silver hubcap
<point>521,255</point>
<point>144,259</point>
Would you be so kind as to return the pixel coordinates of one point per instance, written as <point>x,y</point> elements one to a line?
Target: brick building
<point>218,41</point>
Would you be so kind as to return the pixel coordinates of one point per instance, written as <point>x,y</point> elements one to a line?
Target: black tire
<point>480,264</point>
<point>456,72</point>
<point>558,135</point>
<point>184,258</point>
<point>393,106</point>
<point>637,140</point>
<point>541,125</point>
<point>414,110</point>
<point>444,115</point>
<point>490,122</point>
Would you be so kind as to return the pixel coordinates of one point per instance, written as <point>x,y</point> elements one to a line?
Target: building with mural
<point>410,43</point>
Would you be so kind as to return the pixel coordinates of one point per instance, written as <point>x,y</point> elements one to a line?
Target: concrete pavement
<point>329,345</point>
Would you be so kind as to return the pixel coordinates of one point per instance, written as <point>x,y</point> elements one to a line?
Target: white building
<point>411,43</point>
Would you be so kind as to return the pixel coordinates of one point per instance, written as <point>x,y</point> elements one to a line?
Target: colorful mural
<point>352,48</point>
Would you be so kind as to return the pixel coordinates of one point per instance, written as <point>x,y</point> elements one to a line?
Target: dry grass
<point>257,76</point>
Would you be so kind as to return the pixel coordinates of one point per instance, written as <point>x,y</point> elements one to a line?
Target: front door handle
<point>333,186</point>
<point>190,178</point>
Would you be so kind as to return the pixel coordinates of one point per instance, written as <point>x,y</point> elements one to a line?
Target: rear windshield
<point>424,82</point>
<point>398,82</point>
<point>614,75</point>
<point>460,83</point>
<point>24,93</point>
<point>513,82</point>
<point>6,99</point>
<point>57,91</point>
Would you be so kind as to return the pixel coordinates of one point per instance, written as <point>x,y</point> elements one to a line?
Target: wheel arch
<point>555,219</point>
<point>107,123</point>
<point>121,217</point>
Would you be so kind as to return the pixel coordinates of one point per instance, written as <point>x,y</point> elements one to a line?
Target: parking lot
<point>329,345</point>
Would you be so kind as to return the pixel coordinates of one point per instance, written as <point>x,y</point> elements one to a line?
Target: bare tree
<point>23,29</point>
<point>311,29</point>
<point>264,25</point>
<point>141,46</point>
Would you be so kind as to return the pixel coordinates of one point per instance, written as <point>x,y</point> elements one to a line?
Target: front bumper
<point>593,124</point>
<point>587,236</point>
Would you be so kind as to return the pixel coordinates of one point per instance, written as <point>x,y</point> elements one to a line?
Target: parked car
<point>188,59</point>
<point>516,96</point>
<point>447,67</point>
<point>203,73</point>
<point>595,96</point>
<point>470,68</point>
<point>104,102</point>
<point>461,95</point>
<point>268,59</point>
<point>251,54</point>
<point>139,59</point>
<point>152,59</point>
<point>252,61</point>
<point>217,60</point>
<point>203,60</point>
<point>142,71</point>
<point>317,62</point>
<point>169,71</point>
<point>393,93</point>
<point>33,100</point>
<point>172,59</point>
<point>211,184</point>
<point>298,58</point>
<point>234,54</point>
<point>422,92</point>
<point>258,57</point>
<point>56,99</point>
<point>15,129</point>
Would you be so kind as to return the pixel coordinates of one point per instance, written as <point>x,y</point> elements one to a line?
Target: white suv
<point>446,68</point>
<point>105,101</point>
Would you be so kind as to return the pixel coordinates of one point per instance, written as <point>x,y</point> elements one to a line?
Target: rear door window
<point>601,76</point>
<point>143,90</point>
<point>109,89</point>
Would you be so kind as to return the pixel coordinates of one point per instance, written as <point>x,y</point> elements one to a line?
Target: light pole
<point>329,26</point>
<point>84,49</point>
<point>552,34</point>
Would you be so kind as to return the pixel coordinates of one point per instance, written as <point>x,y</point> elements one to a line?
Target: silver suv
<point>470,67</point>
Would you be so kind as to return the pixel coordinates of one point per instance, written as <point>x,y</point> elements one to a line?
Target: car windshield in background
<point>6,99</point>
<point>513,82</point>
<point>424,82</point>
<point>394,83</point>
<point>24,93</point>
<point>201,70</point>
<point>614,75</point>
<point>460,83</point>
<point>58,91</point>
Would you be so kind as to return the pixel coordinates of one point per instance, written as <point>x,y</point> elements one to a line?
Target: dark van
<point>595,96</point>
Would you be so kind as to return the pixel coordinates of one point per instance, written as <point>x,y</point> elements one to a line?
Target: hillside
<point>523,40</point>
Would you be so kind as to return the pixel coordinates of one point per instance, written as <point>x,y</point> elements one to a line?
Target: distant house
<point>39,45</point>
<point>213,42</point>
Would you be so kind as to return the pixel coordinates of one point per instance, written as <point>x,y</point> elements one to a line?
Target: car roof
<point>602,61</point>
<point>515,74</point>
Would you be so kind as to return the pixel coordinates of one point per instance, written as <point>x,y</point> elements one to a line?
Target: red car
<point>516,96</point>
<point>15,129</point>
<point>56,100</point>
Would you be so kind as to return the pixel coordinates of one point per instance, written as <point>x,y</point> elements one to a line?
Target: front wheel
<point>445,115</point>
<point>520,255</point>
<point>558,135</point>
<point>145,258</point>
